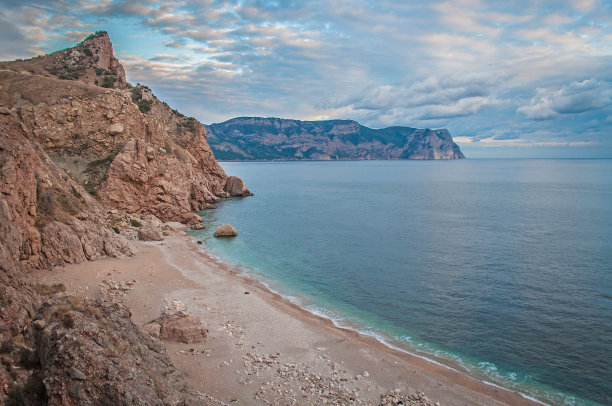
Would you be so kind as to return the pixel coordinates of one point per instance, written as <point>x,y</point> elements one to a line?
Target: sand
<point>261,348</point>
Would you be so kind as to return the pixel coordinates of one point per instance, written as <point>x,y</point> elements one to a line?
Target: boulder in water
<point>236,187</point>
<point>226,230</point>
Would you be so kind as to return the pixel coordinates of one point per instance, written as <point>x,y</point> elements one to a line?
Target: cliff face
<point>79,163</point>
<point>251,138</point>
<point>125,146</point>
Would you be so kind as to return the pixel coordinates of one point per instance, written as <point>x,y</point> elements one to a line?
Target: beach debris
<point>395,398</point>
<point>365,374</point>
<point>173,306</point>
<point>193,351</point>
<point>115,290</point>
<point>226,230</point>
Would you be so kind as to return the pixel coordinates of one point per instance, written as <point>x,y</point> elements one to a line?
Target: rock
<point>153,329</point>
<point>236,187</point>
<point>200,226</point>
<point>189,218</point>
<point>76,374</point>
<point>150,233</point>
<point>78,356</point>
<point>181,327</point>
<point>159,162</point>
<point>5,111</point>
<point>116,128</point>
<point>226,230</point>
<point>167,229</point>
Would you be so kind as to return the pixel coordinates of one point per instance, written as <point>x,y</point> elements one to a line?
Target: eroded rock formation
<point>88,163</point>
<point>121,143</point>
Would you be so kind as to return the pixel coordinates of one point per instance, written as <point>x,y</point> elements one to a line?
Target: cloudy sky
<point>521,78</point>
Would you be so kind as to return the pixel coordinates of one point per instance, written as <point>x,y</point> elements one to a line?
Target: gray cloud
<point>469,65</point>
<point>575,98</point>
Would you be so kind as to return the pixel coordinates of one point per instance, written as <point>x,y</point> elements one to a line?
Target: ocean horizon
<point>500,268</point>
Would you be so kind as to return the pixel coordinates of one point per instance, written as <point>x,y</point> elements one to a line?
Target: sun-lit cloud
<point>497,74</point>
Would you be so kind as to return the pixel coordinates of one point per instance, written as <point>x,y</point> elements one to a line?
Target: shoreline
<point>266,334</point>
<point>364,335</point>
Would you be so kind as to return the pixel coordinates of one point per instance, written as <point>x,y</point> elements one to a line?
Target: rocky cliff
<point>130,150</point>
<point>87,162</point>
<point>255,138</point>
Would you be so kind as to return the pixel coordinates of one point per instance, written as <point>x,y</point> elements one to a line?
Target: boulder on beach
<point>150,233</point>
<point>226,230</point>
<point>179,327</point>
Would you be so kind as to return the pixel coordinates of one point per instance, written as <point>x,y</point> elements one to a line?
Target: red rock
<point>181,327</point>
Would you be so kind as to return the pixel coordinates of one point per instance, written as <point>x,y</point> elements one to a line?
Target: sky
<point>521,78</point>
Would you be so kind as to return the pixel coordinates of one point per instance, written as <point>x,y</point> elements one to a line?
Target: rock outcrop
<point>226,230</point>
<point>120,142</point>
<point>46,217</point>
<point>90,353</point>
<point>88,163</point>
<point>236,187</point>
<point>256,138</point>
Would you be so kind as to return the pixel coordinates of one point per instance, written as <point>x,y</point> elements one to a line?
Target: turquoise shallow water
<point>502,268</point>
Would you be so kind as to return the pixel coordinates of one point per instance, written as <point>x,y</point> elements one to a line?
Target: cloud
<point>467,65</point>
<point>433,98</point>
<point>575,98</point>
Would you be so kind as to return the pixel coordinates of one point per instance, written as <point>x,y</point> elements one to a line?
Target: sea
<point>500,268</point>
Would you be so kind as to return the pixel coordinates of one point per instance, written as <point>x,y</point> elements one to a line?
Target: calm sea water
<point>503,268</point>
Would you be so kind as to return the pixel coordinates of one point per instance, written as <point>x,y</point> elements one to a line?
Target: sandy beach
<point>261,348</point>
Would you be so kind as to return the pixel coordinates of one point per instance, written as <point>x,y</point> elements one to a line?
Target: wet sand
<point>261,348</point>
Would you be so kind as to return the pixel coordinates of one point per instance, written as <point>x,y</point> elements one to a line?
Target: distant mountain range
<point>257,138</point>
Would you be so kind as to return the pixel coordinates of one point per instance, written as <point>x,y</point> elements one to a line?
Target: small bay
<point>499,267</point>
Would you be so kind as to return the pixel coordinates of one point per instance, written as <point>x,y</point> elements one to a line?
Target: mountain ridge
<point>271,138</point>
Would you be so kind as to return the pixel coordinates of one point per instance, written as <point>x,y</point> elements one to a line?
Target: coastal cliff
<point>88,162</point>
<point>256,138</point>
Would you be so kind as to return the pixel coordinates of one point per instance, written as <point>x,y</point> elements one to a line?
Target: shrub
<point>135,223</point>
<point>145,105</point>
<point>109,81</point>
<point>43,289</point>
<point>136,94</point>
<point>189,124</point>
